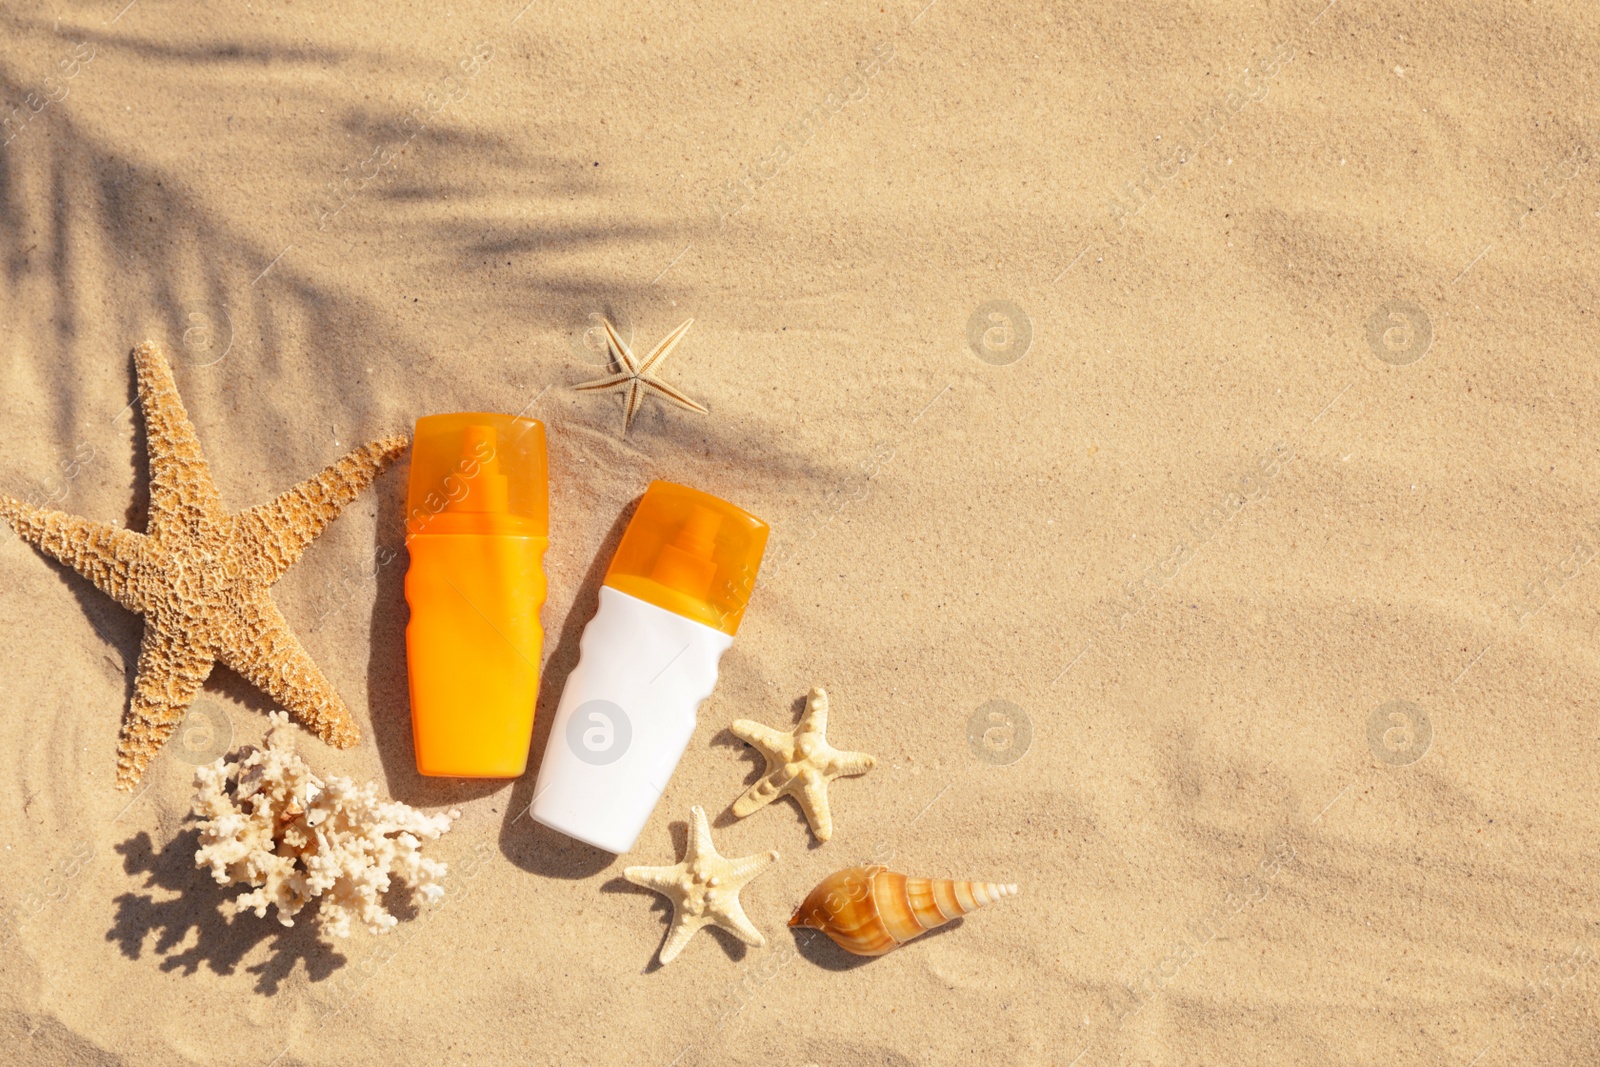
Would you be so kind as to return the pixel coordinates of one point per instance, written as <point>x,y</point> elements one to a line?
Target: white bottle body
<point>625,718</point>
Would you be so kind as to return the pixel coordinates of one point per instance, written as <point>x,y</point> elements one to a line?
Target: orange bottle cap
<point>473,472</point>
<point>690,553</point>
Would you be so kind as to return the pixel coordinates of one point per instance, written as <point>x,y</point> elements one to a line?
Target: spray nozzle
<point>486,489</point>
<point>689,563</point>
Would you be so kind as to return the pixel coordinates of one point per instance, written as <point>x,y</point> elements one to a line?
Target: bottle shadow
<point>193,918</point>
<point>528,844</point>
<point>388,686</point>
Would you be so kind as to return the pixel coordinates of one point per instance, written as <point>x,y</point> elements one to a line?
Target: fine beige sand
<point>1210,385</point>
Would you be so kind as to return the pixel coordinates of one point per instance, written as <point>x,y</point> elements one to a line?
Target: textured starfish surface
<point>637,377</point>
<point>800,764</point>
<point>200,576</point>
<point>704,888</point>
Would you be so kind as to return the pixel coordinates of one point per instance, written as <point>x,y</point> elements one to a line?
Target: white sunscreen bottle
<point>672,600</point>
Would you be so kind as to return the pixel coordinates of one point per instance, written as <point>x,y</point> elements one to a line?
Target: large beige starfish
<point>800,764</point>
<point>638,376</point>
<point>200,576</point>
<point>704,888</point>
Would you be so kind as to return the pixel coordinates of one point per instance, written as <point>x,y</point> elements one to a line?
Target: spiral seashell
<point>873,910</point>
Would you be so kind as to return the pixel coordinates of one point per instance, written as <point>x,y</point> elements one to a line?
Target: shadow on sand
<point>182,906</point>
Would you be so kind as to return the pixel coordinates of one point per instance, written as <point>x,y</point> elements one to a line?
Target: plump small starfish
<point>704,888</point>
<point>800,764</point>
<point>200,576</point>
<point>637,376</point>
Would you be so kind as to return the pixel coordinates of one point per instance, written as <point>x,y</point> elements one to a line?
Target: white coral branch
<point>268,822</point>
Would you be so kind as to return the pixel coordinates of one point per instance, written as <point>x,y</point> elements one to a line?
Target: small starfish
<point>200,576</point>
<point>800,764</point>
<point>704,888</point>
<point>638,376</point>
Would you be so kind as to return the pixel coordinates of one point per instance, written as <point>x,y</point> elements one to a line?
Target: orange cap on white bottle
<point>691,553</point>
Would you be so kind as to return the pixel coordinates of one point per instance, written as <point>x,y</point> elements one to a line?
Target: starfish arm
<point>631,407</point>
<point>844,764</point>
<point>813,797</point>
<point>700,844</point>
<point>609,384</point>
<point>745,868</point>
<point>731,917</point>
<point>768,788</point>
<point>181,491</point>
<point>672,393</point>
<point>620,350</point>
<point>663,880</point>
<point>815,719</point>
<point>276,534</point>
<point>170,675</point>
<point>263,649</point>
<point>774,744</point>
<point>113,558</point>
<point>684,927</point>
<point>659,354</point>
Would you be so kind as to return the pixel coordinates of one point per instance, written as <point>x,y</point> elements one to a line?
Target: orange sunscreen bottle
<point>671,603</point>
<point>477,525</point>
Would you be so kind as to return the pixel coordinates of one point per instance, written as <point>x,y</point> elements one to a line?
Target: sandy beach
<point>1176,428</point>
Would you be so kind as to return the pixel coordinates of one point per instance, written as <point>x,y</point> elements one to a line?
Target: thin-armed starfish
<point>704,888</point>
<point>200,576</point>
<point>800,764</point>
<point>637,376</point>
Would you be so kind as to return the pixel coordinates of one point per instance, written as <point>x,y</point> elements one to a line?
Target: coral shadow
<point>218,943</point>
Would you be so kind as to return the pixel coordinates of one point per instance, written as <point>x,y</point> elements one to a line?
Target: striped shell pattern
<point>873,910</point>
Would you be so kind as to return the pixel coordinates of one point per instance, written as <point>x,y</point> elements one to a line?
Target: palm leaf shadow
<point>100,249</point>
